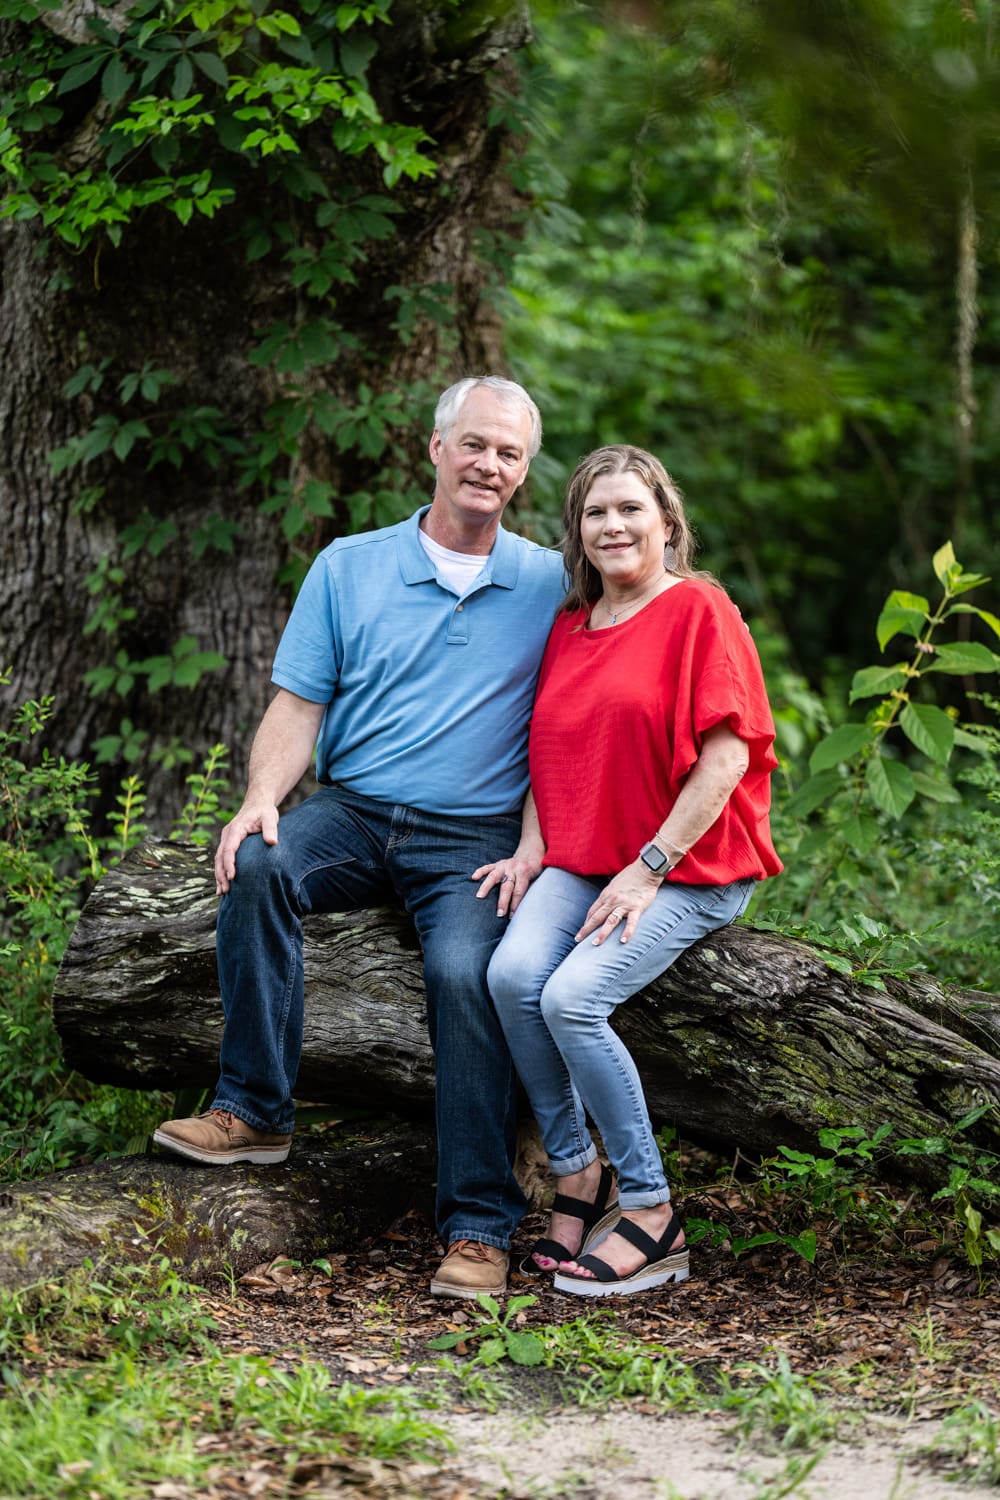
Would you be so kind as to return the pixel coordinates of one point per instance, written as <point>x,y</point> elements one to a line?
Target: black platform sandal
<point>661,1265</point>
<point>598,1219</point>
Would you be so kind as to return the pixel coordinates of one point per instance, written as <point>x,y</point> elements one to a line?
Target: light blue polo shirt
<point>428,692</point>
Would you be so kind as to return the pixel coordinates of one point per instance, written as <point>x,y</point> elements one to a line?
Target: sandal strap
<point>551,1248</point>
<point>652,1249</point>
<point>600,1267</point>
<point>587,1213</point>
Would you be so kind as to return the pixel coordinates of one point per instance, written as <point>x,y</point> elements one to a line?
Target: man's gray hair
<point>450,405</point>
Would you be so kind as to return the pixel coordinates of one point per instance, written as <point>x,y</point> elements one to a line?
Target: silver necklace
<point>633,604</point>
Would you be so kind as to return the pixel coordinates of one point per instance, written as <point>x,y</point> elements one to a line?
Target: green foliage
<point>840,1185</point>
<point>143,1416</point>
<point>776,319</point>
<point>970,1435</point>
<point>260,117</point>
<point>88,1313</point>
<point>50,856</point>
<point>782,1408</point>
<point>499,1334</point>
<point>877,837</point>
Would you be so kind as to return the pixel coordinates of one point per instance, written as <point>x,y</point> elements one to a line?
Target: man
<point>409,662</point>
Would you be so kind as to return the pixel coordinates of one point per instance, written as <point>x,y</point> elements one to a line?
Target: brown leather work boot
<point>469,1268</point>
<point>219,1137</point>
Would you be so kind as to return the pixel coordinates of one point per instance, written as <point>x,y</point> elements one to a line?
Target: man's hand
<point>511,877</point>
<point>282,751</point>
<point>252,817</point>
<point>623,899</point>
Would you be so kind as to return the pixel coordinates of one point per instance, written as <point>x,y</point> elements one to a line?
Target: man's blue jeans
<point>338,851</point>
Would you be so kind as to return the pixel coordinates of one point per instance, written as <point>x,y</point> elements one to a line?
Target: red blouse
<point>618,723</point>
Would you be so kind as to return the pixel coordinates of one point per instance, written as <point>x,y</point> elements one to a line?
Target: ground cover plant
<point>116,1381</point>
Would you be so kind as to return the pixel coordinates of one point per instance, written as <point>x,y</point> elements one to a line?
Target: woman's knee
<point>563,1004</point>
<point>501,977</point>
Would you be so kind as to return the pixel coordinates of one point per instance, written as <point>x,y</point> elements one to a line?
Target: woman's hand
<point>511,877</point>
<point>623,899</point>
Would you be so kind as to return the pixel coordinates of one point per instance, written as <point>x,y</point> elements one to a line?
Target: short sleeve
<point>308,658</point>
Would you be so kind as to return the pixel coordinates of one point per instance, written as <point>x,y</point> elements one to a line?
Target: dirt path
<point>901,1343</point>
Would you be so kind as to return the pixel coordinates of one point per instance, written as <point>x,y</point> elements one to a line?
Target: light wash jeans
<point>554,997</point>
<point>338,851</point>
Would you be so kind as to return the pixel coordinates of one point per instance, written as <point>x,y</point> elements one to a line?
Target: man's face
<point>483,459</point>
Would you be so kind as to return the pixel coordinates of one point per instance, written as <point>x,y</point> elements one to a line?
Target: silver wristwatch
<point>654,858</point>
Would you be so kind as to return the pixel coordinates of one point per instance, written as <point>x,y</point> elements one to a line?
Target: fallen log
<point>751,1040</point>
<point>213,1221</point>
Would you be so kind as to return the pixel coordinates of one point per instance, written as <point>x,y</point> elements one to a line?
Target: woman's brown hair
<point>585,585</point>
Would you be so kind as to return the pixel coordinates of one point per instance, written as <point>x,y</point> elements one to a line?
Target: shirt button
<point>459,608</point>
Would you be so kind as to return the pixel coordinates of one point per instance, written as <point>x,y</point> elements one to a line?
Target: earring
<point>669,557</point>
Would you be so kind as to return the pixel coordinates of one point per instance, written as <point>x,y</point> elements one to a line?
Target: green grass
<point>119,1427</point>
<point>111,1384</point>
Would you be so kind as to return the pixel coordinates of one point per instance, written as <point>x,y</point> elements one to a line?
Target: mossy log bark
<point>212,1220</point>
<point>749,1042</point>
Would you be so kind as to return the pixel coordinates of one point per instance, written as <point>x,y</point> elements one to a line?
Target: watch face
<point>653,857</point>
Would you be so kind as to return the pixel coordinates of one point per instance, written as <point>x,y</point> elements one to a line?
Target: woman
<point>646,827</point>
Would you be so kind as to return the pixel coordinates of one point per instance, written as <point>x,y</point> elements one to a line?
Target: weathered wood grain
<point>750,1041</point>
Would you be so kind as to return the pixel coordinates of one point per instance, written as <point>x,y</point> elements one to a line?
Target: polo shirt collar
<point>417,567</point>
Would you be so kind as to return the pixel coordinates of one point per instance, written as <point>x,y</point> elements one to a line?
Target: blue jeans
<point>339,851</point>
<point>554,997</point>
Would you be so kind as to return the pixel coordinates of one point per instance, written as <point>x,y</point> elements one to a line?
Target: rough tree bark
<point>187,300</point>
<point>751,1041</point>
<point>212,1221</point>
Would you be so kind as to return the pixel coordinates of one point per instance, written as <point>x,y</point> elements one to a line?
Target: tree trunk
<point>213,1220</point>
<point>749,1042</point>
<point>187,300</point>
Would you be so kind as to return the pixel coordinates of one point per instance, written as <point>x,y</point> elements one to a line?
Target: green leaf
<point>842,744</point>
<point>963,659</point>
<point>115,80</point>
<point>860,832</point>
<point>804,1243</point>
<point>890,785</point>
<point>82,73</point>
<point>876,682</point>
<point>525,1348</point>
<point>966,581</point>
<point>447,1340</point>
<point>903,614</point>
<point>812,794</point>
<point>183,78</point>
<point>930,729</point>
<point>935,788</point>
<point>212,66</point>
<point>984,615</point>
<point>491,1351</point>
<point>943,562</point>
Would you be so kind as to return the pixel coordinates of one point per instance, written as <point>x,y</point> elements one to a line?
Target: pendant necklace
<point>633,604</point>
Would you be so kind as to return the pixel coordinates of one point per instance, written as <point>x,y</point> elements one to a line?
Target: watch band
<point>655,859</point>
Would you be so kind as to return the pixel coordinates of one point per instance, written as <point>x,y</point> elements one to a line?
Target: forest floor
<point>852,1371</point>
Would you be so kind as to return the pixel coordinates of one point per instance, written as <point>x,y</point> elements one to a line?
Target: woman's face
<point>623,530</point>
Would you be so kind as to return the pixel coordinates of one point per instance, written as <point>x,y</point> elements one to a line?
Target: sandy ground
<point>623,1455</point>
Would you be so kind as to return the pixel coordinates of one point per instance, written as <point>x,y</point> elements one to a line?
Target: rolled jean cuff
<point>569,1165</point>
<point>475,1233</point>
<point>249,1117</point>
<point>643,1200</point>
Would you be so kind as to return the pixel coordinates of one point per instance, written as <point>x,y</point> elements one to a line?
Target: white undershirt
<point>460,569</point>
